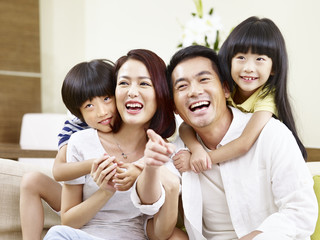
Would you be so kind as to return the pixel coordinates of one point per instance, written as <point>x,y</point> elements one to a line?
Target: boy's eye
<point>88,105</point>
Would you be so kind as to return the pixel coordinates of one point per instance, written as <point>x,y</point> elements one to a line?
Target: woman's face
<point>135,94</point>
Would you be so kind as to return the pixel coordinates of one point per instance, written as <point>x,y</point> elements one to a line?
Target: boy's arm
<point>242,145</point>
<point>63,171</point>
<point>199,160</point>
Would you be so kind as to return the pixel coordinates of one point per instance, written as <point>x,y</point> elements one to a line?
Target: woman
<point>141,107</point>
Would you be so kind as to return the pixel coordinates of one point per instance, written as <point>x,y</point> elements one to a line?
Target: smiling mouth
<point>249,79</point>
<point>199,105</point>
<point>134,106</point>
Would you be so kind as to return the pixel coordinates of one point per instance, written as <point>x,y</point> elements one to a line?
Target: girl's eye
<point>106,99</point>
<point>260,59</point>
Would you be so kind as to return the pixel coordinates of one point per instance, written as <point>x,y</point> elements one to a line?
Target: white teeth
<point>199,104</point>
<point>134,105</point>
<point>249,78</point>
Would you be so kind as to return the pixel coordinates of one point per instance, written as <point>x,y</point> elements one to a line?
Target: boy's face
<point>99,113</point>
<point>199,97</point>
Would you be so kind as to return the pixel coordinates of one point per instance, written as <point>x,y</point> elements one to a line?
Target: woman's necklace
<point>124,155</point>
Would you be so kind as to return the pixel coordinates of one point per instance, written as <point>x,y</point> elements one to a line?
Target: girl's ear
<point>226,89</point>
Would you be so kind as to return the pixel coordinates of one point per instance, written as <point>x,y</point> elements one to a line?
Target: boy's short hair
<point>86,81</point>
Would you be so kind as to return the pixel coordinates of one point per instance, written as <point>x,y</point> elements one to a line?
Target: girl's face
<point>135,94</point>
<point>99,113</point>
<point>250,71</point>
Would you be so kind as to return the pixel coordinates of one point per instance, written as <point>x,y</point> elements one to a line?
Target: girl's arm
<point>241,145</point>
<point>75,212</point>
<point>63,171</point>
<point>199,160</point>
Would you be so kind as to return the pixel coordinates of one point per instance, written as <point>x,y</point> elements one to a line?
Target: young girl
<point>253,60</point>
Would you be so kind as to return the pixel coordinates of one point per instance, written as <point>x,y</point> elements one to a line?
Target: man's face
<point>198,94</point>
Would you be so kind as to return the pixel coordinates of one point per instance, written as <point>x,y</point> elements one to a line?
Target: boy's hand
<point>200,161</point>
<point>103,170</point>
<point>126,175</point>
<point>181,161</point>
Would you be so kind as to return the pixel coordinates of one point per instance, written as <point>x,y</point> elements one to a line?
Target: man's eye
<point>181,86</point>
<point>204,79</point>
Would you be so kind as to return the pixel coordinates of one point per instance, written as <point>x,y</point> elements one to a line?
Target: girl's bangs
<point>257,40</point>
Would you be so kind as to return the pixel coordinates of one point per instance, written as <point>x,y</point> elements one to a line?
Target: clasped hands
<point>113,175</point>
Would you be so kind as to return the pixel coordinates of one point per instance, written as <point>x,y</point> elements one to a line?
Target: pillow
<point>316,187</point>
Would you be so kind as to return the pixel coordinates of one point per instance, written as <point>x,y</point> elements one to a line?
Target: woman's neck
<point>127,144</point>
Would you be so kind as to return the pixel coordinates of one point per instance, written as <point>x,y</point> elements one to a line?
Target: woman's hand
<point>103,170</point>
<point>181,161</point>
<point>157,151</point>
<point>126,175</point>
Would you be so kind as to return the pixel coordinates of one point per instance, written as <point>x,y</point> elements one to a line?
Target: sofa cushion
<point>11,173</point>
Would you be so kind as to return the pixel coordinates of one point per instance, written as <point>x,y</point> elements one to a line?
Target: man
<point>265,194</point>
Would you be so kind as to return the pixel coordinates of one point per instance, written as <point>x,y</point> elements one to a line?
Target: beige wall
<point>78,30</point>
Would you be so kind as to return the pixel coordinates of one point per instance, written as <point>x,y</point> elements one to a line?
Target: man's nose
<point>195,89</point>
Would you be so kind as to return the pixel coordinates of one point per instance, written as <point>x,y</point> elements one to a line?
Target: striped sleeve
<point>68,129</point>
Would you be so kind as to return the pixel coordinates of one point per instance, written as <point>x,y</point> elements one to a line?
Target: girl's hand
<point>126,175</point>
<point>157,151</point>
<point>200,161</point>
<point>181,161</point>
<point>103,170</point>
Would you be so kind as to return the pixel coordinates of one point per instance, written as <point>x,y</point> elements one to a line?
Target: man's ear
<point>226,89</point>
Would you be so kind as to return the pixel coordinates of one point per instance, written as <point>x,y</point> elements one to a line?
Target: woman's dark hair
<point>163,121</point>
<point>263,37</point>
<point>188,53</point>
<point>86,81</point>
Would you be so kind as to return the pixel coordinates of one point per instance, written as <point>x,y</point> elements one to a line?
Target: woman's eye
<point>145,84</point>
<point>122,83</point>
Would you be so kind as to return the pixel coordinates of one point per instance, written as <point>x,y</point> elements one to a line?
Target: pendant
<point>124,155</point>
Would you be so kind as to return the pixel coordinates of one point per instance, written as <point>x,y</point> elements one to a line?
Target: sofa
<point>11,173</point>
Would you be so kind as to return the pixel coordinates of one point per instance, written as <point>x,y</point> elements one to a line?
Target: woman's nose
<point>133,91</point>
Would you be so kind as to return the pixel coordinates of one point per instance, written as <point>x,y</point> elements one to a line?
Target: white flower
<point>202,29</point>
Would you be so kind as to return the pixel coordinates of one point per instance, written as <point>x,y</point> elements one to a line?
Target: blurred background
<point>69,32</point>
